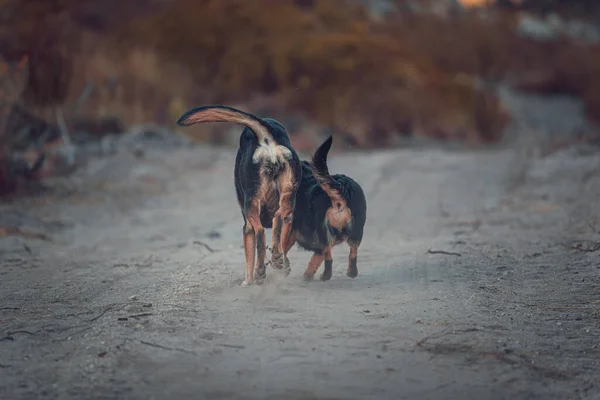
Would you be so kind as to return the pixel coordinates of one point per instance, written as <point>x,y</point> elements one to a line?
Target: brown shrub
<point>327,60</point>
<point>489,48</point>
<point>40,31</point>
<point>567,68</point>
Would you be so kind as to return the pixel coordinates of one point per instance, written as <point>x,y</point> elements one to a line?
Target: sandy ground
<point>136,293</point>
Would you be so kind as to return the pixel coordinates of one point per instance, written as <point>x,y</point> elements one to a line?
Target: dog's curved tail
<point>321,172</point>
<point>220,113</point>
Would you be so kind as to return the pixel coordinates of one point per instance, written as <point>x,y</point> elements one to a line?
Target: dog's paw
<point>352,272</point>
<point>308,277</point>
<point>260,275</point>
<point>287,268</point>
<point>277,261</point>
<point>327,270</point>
<point>325,276</point>
<point>245,283</point>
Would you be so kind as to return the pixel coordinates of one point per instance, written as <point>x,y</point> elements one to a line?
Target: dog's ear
<point>219,113</point>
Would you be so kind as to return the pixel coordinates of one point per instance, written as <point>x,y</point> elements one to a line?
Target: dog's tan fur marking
<point>339,215</point>
<point>249,250</point>
<point>266,191</point>
<point>286,184</point>
<point>353,250</point>
<point>224,115</point>
<point>290,243</point>
<point>282,221</point>
<point>254,247</point>
<point>259,234</point>
<point>327,253</point>
<point>261,252</point>
<point>266,194</point>
<point>269,151</point>
<point>313,265</point>
<point>324,182</point>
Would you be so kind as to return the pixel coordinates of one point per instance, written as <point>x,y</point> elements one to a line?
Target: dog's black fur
<point>330,209</point>
<point>267,176</point>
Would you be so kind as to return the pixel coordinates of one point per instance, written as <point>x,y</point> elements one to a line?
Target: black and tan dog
<point>330,209</point>
<point>267,176</point>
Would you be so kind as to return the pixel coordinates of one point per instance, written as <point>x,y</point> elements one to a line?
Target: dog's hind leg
<point>249,250</point>
<point>257,271</point>
<point>260,271</point>
<point>313,265</point>
<point>328,269</point>
<point>282,222</point>
<point>352,271</point>
<point>276,253</point>
<point>290,243</point>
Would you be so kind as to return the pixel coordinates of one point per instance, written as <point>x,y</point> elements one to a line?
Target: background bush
<point>328,63</point>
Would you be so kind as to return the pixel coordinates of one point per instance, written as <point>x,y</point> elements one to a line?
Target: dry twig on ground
<point>448,253</point>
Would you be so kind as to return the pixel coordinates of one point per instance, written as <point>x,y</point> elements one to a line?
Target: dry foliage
<point>489,48</point>
<point>324,60</point>
<point>327,60</point>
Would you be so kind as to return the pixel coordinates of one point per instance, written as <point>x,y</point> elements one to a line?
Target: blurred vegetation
<point>326,61</point>
<point>490,49</point>
<point>588,9</point>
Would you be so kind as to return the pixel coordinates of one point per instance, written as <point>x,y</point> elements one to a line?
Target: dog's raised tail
<point>220,113</point>
<point>321,172</point>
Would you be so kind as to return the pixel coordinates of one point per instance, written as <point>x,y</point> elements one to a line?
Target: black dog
<point>329,210</point>
<point>267,176</point>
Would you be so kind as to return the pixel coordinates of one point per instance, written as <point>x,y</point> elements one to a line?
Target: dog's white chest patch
<point>270,152</point>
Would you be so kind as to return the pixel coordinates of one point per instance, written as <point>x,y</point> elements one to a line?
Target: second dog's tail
<point>321,172</point>
<point>219,113</point>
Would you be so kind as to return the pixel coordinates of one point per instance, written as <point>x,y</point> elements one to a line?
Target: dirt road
<point>137,294</point>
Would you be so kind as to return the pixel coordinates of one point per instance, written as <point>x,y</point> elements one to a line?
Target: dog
<point>267,176</point>
<point>330,209</point>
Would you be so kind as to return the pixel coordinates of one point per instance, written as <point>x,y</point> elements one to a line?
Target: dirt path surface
<point>136,295</point>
